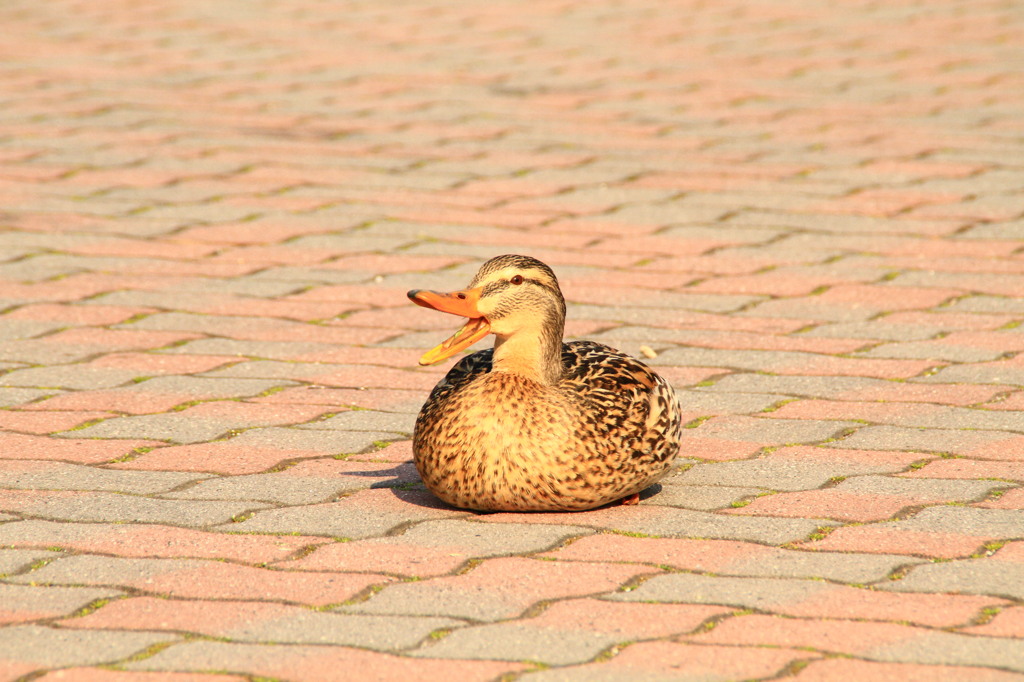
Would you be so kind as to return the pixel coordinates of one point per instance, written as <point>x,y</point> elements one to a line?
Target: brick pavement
<point>209,215</point>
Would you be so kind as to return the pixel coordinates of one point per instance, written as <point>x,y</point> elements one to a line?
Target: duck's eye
<point>516,279</point>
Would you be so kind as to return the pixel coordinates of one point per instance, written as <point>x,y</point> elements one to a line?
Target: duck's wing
<point>464,371</point>
<point>623,402</point>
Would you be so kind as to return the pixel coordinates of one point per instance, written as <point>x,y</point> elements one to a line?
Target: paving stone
<point>262,622</point>
<point>321,441</point>
<point>200,579</point>
<point>33,475</point>
<point>151,541</point>
<point>26,603</point>
<point>348,518</point>
<point>956,441</point>
<point>314,662</point>
<point>11,397</point>
<point>366,420</point>
<point>489,592</point>
<point>995,523</point>
<point>20,560</point>
<point>48,647</point>
<point>113,507</point>
<point>174,427</point>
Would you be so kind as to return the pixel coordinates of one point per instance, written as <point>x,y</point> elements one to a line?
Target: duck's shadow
<point>414,493</point>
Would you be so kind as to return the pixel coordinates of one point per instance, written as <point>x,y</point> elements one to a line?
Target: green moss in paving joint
<point>705,383</point>
<point>439,634</point>
<point>818,291</point>
<point>632,534</point>
<point>986,615</point>
<point>1011,325</point>
<point>84,425</point>
<point>244,516</point>
<point>919,464</point>
<point>92,606</point>
<point>820,533</point>
<point>697,422</point>
<point>148,652</point>
<point>141,379</point>
<point>989,548</point>
<point>611,652</point>
<point>778,405</point>
<point>185,405</point>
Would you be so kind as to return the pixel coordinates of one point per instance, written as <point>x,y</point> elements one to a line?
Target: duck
<point>536,423</point>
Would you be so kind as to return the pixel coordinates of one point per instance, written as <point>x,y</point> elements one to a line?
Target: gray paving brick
<point>519,642</point>
<point>721,402</point>
<point>769,473</point>
<point>768,431</point>
<point>64,476</point>
<point>288,488</point>
<point>487,539</point>
<point>687,523</point>
<point>837,566</point>
<point>700,497</point>
<point>383,633</point>
<point>984,303</point>
<point>990,523</point>
<point>429,599</point>
<point>948,648</point>
<point>12,397</point>
<point>326,442</point>
<point>969,576</point>
<point>52,648</point>
<point>929,488</point>
<point>95,570</point>
<point>277,350</point>
<point>112,507</point>
<point>810,309</point>
<point>955,441</point>
<point>750,593</point>
<point>175,427</point>
<point>69,376</point>
<point>18,560</point>
<point>873,329</point>
<point>51,600</point>
<point>25,329</point>
<point>1006,375</point>
<point>207,387</point>
<point>931,351</point>
<point>366,420</point>
<point>344,519</point>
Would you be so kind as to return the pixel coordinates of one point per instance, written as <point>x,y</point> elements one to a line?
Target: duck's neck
<point>536,356</point>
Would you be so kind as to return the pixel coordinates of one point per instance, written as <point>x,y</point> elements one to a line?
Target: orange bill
<point>457,303</point>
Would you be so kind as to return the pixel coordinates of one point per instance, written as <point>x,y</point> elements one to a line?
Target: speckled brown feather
<point>497,441</point>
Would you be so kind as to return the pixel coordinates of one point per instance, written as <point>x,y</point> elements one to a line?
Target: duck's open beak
<point>458,303</point>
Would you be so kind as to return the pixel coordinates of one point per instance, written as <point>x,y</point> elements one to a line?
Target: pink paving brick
<point>214,618</point>
<point>624,620</point>
<point>157,541</point>
<point>158,363</point>
<point>84,451</point>
<point>695,661</point>
<point>41,422</point>
<point>941,394</point>
<point>836,636</point>
<point>77,314</point>
<point>882,540</point>
<point>1009,622</point>
<point>694,555</point>
<point>215,580</point>
<point>109,675</point>
<point>975,468</point>
<point>129,402</point>
<point>222,457</point>
<point>828,503</point>
<point>392,558</point>
<point>828,670</point>
<point>887,412</point>
<point>932,610</point>
<point>887,297</point>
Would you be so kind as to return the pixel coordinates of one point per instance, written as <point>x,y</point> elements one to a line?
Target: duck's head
<point>512,297</point>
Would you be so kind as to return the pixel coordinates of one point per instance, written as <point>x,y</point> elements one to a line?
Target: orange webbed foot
<point>630,499</point>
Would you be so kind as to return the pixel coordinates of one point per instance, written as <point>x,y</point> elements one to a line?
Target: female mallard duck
<point>535,424</point>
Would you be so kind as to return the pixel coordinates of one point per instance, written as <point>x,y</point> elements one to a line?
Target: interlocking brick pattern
<point>812,213</point>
